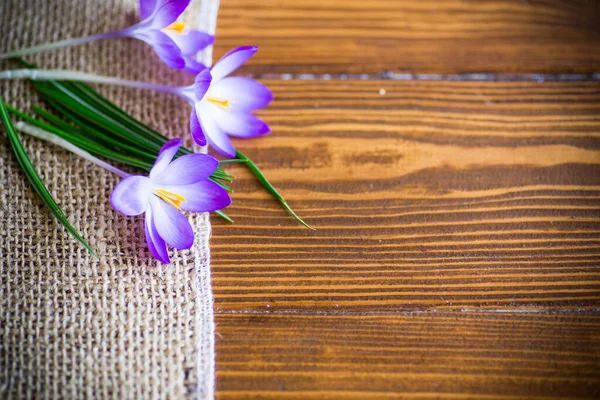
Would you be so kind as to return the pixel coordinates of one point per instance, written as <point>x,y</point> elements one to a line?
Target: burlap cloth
<point>72,326</point>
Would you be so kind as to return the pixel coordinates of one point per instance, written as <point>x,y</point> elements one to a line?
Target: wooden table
<point>448,153</point>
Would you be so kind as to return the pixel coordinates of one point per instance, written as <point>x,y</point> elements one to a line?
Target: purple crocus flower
<point>174,42</point>
<point>171,187</point>
<point>223,106</point>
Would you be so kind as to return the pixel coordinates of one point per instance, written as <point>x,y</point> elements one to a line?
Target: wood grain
<point>457,250</point>
<point>408,36</point>
<point>436,195</point>
<point>414,355</point>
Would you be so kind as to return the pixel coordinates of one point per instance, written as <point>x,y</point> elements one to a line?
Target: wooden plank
<point>421,355</point>
<point>433,195</point>
<point>408,36</point>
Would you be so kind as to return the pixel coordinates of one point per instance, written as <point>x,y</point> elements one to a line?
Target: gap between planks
<point>340,313</point>
<point>464,77</point>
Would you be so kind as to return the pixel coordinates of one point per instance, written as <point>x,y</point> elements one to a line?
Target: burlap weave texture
<point>71,326</point>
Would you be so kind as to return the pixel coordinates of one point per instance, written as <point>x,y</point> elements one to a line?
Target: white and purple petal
<point>202,196</point>
<point>202,83</point>
<point>243,94</point>
<point>187,169</point>
<point>172,226</point>
<point>165,155</point>
<point>156,244</point>
<point>147,8</point>
<point>131,195</point>
<point>240,124</point>
<point>190,41</point>
<point>232,61</point>
<point>215,136</point>
<point>165,48</point>
<point>192,66</point>
<point>166,12</point>
<point>196,129</point>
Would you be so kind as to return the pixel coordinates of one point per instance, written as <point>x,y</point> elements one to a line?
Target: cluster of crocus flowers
<point>222,107</point>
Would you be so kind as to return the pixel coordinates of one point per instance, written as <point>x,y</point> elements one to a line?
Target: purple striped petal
<point>202,83</point>
<point>167,11</point>
<point>171,224</point>
<point>202,196</point>
<point>193,66</point>
<point>191,41</point>
<point>165,48</point>
<point>156,244</point>
<point>147,8</point>
<point>187,169</point>
<point>165,155</point>
<point>215,135</point>
<point>196,129</point>
<point>244,94</point>
<point>241,125</point>
<point>131,195</point>
<point>232,61</point>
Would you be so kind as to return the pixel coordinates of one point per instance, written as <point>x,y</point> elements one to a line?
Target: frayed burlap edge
<point>206,322</point>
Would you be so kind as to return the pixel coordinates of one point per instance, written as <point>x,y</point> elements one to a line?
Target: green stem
<point>61,43</point>
<point>68,75</point>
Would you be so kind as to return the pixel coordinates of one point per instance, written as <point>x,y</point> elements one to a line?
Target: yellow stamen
<point>177,27</point>
<point>222,104</point>
<point>170,198</point>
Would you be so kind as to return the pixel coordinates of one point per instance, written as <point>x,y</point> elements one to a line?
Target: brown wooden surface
<point>457,250</point>
<point>425,36</point>
<point>421,198</point>
<point>420,355</point>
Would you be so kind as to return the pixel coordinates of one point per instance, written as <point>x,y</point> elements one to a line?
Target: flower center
<point>170,198</point>
<point>177,27</point>
<point>222,104</point>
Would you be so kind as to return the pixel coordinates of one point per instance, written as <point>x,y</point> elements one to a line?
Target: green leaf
<point>59,123</point>
<point>270,188</point>
<point>34,178</point>
<point>224,216</point>
<point>224,186</point>
<point>84,143</point>
<point>117,112</point>
<point>232,161</point>
<point>91,116</point>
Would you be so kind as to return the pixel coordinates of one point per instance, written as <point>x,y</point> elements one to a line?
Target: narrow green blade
<point>224,216</point>
<point>85,143</point>
<point>34,178</point>
<point>270,188</point>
